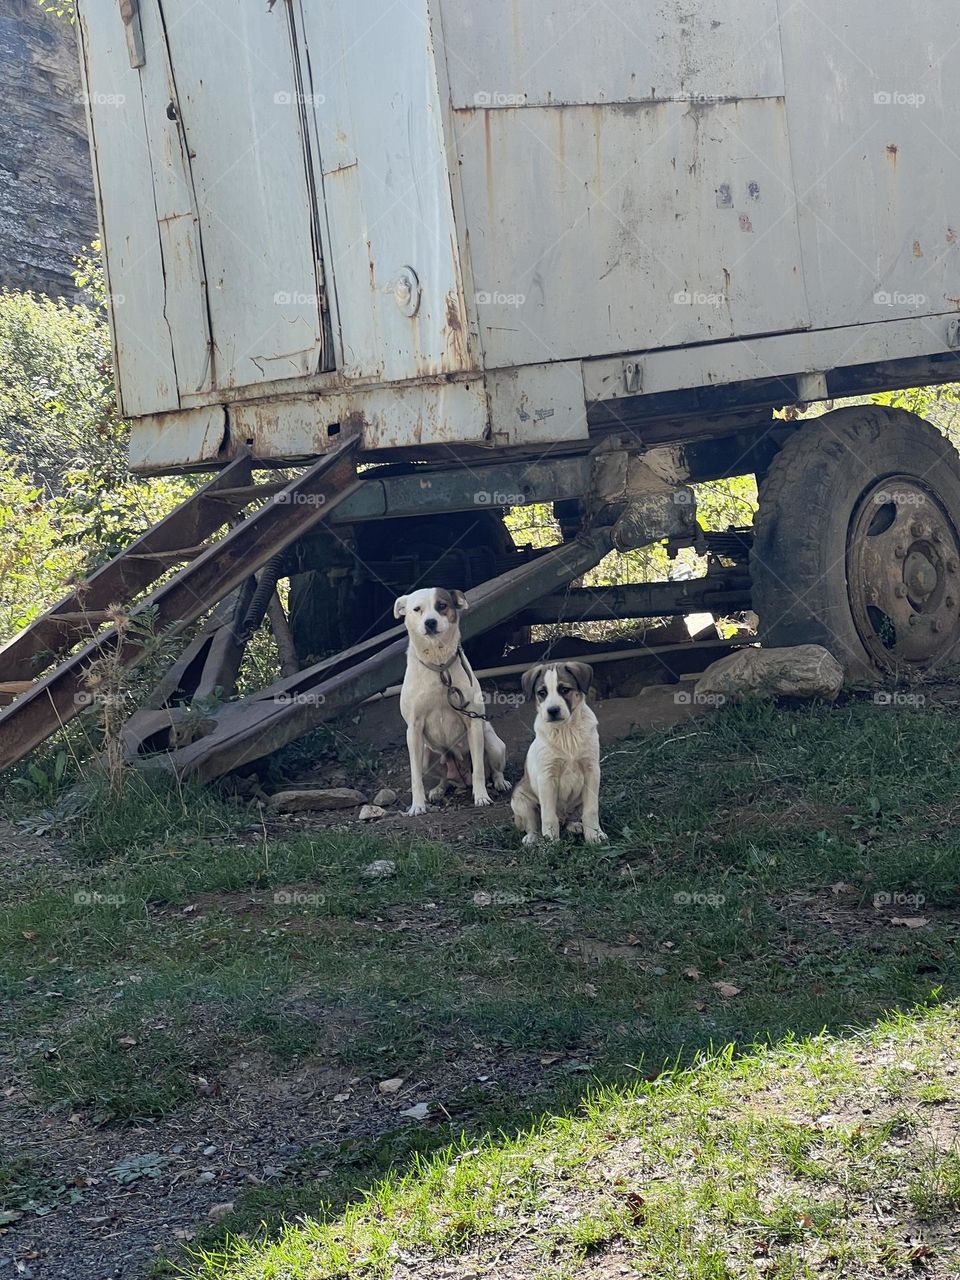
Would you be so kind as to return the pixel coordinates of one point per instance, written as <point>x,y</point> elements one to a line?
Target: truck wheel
<point>857,542</point>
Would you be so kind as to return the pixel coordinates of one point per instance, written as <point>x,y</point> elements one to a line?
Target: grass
<point>757,861</point>
<point>775,1163</point>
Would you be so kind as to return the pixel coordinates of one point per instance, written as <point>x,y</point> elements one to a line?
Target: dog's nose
<point>430,625</point>
<point>553,713</point>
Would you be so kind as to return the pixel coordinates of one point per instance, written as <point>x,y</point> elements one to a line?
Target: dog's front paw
<point>500,783</point>
<point>480,798</point>
<point>574,828</point>
<point>416,809</point>
<point>530,838</point>
<point>595,836</point>
<point>439,792</point>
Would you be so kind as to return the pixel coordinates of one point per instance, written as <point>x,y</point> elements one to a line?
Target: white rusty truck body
<point>512,225</point>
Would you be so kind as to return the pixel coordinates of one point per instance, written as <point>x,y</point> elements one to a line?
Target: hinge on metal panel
<point>130,13</point>
<point>953,334</point>
<point>632,376</point>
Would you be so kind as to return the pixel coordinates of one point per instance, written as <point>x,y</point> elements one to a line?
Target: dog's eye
<point>441,608</point>
<point>563,689</point>
<point>541,693</point>
<point>417,609</point>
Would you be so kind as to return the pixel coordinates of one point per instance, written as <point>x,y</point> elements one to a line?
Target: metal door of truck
<point>206,197</point>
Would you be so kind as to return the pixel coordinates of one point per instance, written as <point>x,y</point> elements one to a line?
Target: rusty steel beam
<point>728,591</point>
<point>78,615</point>
<point>56,699</point>
<point>254,727</point>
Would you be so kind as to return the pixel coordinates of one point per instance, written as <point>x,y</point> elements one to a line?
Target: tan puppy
<point>442,703</point>
<point>561,780</point>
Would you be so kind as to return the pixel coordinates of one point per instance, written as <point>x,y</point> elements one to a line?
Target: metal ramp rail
<point>212,571</point>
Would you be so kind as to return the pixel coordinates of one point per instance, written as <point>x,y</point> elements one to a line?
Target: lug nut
<point>936,625</point>
<point>917,529</point>
<point>951,566</point>
<point>899,590</point>
<point>913,619</point>
<point>900,551</point>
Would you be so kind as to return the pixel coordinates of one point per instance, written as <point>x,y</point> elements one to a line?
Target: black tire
<point>857,542</point>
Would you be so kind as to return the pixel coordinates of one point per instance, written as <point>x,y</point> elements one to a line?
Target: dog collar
<point>440,667</point>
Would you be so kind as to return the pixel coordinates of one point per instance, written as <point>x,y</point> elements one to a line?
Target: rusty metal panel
<point>296,427</point>
<point>503,53</point>
<point>169,441</point>
<point>386,182</point>
<point>875,131</point>
<point>142,340</point>
<point>774,356</point>
<point>538,404</point>
<point>237,109</point>
<point>617,228</point>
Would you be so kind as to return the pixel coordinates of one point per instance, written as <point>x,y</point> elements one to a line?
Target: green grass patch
<point>720,1170</point>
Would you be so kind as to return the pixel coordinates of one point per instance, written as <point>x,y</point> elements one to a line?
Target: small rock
<point>386,796</point>
<point>420,1111</point>
<point>378,870</point>
<point>371,811</point>
<point>218,1211</point>
<point>390,1086</point>
<point>329,798</point>
<point>802,671</point>
<point>208,1151</point>
<point>207,1176</point>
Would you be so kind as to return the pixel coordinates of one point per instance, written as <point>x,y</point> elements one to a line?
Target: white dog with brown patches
<point>442,703</point>
<point>561,781</point>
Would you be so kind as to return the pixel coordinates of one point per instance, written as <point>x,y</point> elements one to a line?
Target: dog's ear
<point>460,601</point>
<point>400,606</point>
<point>529,679</point>
<point>582,675</point>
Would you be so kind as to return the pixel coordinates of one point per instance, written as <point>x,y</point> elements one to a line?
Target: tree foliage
<point>67,500</point>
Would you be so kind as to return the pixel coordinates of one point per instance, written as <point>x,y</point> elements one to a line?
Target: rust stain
<point>917,251</point>
<point>951,236</point>
<point>488,166</point>
<point>373,269</point>
<point>745,223</point>
<point>454,339</point>
<point>893,151</point>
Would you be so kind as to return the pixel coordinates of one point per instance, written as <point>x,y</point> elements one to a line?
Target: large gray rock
<point>802,671</point>
<point>47,210</point>
<point>329,798</point>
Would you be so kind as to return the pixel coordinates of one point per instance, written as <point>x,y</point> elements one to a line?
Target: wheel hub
<point>903,554</point>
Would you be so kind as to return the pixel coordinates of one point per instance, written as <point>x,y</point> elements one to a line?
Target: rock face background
<point>47,210</point>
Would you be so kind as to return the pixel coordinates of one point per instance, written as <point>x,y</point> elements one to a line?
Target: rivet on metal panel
<point>406,291</point>
<point>632,376</point>
<point>953,334</point>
